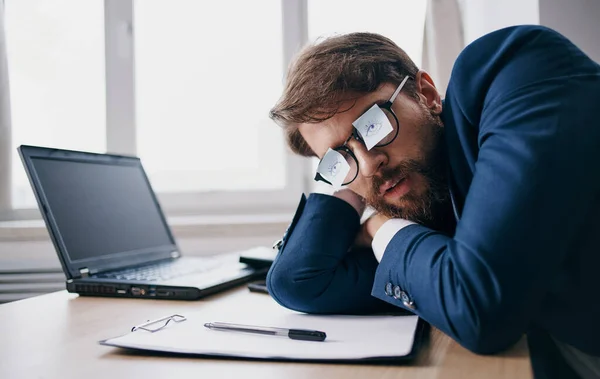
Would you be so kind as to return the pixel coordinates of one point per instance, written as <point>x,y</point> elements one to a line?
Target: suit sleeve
<point>527,201</point>
<point>315,272</point>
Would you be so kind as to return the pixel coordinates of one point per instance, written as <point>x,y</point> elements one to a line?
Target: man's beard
<point>429,208</point>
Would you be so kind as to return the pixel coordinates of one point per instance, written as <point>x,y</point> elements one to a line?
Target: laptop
<point>110,234</point>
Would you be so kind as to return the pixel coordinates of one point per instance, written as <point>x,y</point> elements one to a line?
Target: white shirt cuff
<point>385,234</point>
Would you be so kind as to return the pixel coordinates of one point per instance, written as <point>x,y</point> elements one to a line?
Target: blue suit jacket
<point>523,140</point>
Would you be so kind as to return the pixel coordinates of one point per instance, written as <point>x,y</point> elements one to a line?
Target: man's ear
<point>427,92</point>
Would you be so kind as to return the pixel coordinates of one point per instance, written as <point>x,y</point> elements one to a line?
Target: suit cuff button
<point>388,289</point>
<point>407,301</point>
<point>397,292</point>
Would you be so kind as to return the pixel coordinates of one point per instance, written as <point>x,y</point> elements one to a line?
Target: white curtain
<point>443,40</point>
<point>6,147</point>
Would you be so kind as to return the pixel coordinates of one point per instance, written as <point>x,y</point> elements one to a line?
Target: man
<point>487,201</point>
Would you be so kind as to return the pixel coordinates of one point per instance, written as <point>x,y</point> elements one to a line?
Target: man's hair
<point>332,71</point>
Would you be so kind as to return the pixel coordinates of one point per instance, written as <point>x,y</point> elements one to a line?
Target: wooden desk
<point>56,336</point>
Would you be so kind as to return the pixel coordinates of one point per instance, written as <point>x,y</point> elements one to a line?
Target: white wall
<point>445,36</point>
<point>40,254</point>
<point>578,20</point>
<point>484,16</point>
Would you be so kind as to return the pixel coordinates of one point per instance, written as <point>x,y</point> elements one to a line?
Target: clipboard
<point>393,339</point>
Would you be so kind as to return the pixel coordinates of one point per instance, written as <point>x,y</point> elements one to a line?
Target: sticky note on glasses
<point>373,126</point>
<point>333,168</point>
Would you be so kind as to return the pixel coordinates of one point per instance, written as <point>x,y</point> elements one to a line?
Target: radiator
<point>21,284</point>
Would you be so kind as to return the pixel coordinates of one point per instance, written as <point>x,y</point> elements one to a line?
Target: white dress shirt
<point>385,234</point>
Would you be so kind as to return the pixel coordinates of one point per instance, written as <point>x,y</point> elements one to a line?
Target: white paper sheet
<point>348,337</point>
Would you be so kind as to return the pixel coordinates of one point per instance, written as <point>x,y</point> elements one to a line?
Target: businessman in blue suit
<point>487,202</point>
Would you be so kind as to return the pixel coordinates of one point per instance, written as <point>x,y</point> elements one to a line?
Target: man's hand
<point>349,196</point>
<point>368,230</point>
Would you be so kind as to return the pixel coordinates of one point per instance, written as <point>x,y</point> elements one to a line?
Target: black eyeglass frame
<point>344,147</point>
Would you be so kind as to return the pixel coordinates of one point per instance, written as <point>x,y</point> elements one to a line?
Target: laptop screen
<point>101,209</point>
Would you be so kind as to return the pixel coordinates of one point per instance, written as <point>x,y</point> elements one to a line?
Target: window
<point>184,84</point>
<point>206,75</point>
<point>55,55</point>
<point>401,21</point>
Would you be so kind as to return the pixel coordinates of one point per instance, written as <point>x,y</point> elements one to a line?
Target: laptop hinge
<point>84,272</point>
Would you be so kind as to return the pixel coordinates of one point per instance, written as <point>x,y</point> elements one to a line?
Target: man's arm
<point>315,272</point>
<point>525,206</point>
<point>459,283</point>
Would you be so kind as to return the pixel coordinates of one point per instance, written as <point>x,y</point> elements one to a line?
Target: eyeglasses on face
<point>377,127</point>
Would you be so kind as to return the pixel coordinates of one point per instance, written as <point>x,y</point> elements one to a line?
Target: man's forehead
<point>320,135</point>
<point>328,133</point>
<point>335,130</point>
<point>350,110</point>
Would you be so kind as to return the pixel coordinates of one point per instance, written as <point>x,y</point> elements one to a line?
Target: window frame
<point>121,124</point>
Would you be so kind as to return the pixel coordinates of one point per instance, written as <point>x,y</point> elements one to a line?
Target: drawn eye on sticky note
<point>373,126</point>
<point>334,168</point>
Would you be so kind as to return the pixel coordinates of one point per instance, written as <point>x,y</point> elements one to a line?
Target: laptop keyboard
<point>164,271</point>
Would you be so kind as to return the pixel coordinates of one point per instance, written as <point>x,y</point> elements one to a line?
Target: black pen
<point>295,334</point>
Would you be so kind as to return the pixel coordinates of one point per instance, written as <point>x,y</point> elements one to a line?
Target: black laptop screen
<point>101,209</point>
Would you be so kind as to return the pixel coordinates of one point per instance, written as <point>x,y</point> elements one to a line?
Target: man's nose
<point>369,161</point>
